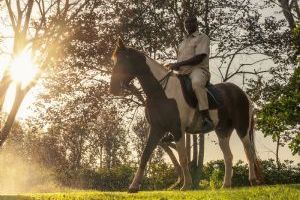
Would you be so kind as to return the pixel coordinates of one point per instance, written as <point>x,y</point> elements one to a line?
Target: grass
<point>279,192</point>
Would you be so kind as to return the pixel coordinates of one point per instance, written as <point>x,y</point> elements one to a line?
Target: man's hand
<point>172,66</point>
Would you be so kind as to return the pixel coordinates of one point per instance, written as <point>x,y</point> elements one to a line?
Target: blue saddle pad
<point>213,96</point>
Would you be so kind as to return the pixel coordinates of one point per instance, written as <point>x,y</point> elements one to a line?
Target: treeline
<point>44,161</point>
<point>161,176</point>
<point>39,164</point>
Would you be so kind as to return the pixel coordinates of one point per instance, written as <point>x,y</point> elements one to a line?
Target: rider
<point>193,60</point>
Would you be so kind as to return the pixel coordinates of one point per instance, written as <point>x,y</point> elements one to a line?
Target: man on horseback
<point>193,60</point>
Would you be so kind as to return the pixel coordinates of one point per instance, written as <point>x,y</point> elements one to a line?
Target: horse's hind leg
<point>224,138</point>
<point>251,157</point>
<point>245,131</point>
<point>154,136</point>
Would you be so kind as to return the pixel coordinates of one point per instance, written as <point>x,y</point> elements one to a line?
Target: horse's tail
<point>257,163</point>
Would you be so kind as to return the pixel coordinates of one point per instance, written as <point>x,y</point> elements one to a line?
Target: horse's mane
<point>147,56</point>
<point>131,50</point>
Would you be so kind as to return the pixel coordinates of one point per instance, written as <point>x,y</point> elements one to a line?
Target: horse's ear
<point>120,44</point>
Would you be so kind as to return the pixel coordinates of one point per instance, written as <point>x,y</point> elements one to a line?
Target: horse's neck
<point>150,82</point>
<point>157,69</point>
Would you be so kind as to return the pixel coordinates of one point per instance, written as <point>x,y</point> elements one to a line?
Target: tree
<point>278,114</point>
<point>41,33</point>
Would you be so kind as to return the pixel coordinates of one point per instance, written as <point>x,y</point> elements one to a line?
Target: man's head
<point>190,24</point>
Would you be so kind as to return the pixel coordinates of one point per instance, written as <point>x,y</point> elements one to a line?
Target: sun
<point>23,68</point>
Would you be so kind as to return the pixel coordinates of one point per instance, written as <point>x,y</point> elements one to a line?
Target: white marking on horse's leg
<point>249,146</point>
<point>224,144</point>
<point>187,179</point>
<point>251,157</point>
<point>251,108</point>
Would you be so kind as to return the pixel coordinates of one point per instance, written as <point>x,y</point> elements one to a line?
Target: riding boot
<point>207,123</point>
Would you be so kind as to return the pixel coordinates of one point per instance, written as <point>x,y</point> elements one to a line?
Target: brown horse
<point>167,111</point>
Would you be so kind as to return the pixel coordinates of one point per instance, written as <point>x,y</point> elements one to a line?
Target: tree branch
<point>11,15</point>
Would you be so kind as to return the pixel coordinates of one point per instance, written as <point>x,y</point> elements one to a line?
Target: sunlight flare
<point>23,68</point>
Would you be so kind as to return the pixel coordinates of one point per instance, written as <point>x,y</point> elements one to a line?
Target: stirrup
<point>207,126</point>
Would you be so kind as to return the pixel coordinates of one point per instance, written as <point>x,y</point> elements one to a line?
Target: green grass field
<point>283,192</point>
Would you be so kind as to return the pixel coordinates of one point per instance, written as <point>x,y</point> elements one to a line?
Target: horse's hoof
<point>133,190</point>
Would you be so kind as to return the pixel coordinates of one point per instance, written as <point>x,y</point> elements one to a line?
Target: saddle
<point>214,102</point>
<point>213,96</point>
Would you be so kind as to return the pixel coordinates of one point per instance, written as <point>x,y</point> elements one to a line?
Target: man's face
<point>190,25</point>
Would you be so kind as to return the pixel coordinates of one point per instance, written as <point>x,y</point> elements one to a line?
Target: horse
<point>168,112</point>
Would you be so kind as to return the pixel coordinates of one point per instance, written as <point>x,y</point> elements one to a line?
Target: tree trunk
<point>188,146</point>
<point>277,152</point>
<point>201,151</point>
<point>196,165</point>
<point>207,28</point>
<point>195,149</point>
<point>193,165</point>
<point>101,157</point>
<point>12,115</point>
<point>4,84</point>
<point>287,12</point>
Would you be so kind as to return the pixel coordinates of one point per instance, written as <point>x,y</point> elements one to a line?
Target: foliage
<point>296,38</point>
<point>278,97</point>
<point>279,117</point>
<point>286,174</point>
<point>213,171</point>
<point>240,174</point>
<point>159,176</point>
<point>216,179</point>
<point>117,178</point>
<point>51,154</point>
<point>42,35</point>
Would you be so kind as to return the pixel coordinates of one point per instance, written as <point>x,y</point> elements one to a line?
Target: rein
<point>164,81</point>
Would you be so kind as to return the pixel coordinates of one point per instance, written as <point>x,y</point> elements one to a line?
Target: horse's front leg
<point>183,159</point>
<point>155,135</point>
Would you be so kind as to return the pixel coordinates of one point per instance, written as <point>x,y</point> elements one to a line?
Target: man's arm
<point>197,59</point>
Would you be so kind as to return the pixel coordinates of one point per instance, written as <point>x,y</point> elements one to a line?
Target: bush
<point>216,179</point>
<point>161,176</point>
<point>287,173</point>
<point>240,174</point>
<point>117,178</point>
